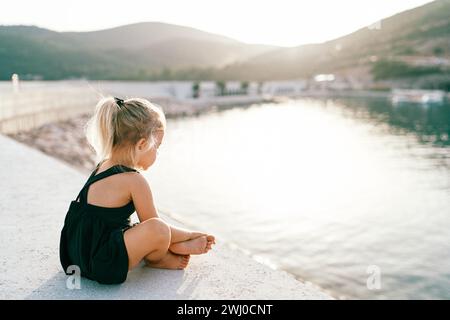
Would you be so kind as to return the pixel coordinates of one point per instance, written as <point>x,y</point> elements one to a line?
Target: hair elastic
<point>119,101</point>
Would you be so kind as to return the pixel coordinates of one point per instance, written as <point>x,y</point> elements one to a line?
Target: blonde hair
<point>117,127</point>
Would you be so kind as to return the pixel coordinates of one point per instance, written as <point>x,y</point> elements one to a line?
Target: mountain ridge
<point>161,51</point>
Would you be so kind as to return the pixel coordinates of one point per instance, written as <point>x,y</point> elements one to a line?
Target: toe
<point>185,261</point>
<point>183,264</point>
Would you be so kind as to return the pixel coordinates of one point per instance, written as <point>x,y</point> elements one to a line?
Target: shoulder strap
<point>87,182</point>
<point>108,172</point>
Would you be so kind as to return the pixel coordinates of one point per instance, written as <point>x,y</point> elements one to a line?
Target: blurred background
<point>313,134</point>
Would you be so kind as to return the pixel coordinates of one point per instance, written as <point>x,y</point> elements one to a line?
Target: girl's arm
<point>142,197</point>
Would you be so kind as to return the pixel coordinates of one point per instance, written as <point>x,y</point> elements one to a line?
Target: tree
<point>244,87</point>
<point>438,51</point>
<point>195,90</point>
<point>221,86</point>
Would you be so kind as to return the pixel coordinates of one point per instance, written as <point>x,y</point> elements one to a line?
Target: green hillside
<point>394,48</point>
<point>422,31</point>
<point>137,51</point>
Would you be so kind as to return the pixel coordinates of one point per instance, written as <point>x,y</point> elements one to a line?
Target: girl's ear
<point>141,144</point>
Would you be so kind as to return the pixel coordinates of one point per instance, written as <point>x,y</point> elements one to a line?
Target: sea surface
<point>351,194</point>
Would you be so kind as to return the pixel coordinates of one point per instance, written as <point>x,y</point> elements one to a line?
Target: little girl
<point>97,235</point>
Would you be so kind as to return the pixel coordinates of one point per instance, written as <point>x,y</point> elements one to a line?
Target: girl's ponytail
<point>100,128</point>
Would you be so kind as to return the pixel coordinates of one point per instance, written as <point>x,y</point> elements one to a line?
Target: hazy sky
<point>278,22</point>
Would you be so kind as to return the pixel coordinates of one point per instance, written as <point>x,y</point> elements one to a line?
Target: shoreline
<point>233,246</point>
<point>71,146</point>
<point>16,114</point>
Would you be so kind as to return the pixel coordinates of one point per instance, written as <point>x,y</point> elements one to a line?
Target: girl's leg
<point>198,245</point>
<point>180,235</point>
<point>189,242</point>
<point>150,240</point>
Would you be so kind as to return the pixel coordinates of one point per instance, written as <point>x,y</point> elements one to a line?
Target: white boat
<point>417,96</point>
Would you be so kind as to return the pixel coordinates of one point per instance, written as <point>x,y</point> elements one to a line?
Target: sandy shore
<point>64,140</point>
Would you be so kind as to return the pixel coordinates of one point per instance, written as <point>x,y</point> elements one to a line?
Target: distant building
<point>229,88</point>
<point>207,89</point>
<point>331,82</point>
<point>253,88</point>
<point>288,87</point>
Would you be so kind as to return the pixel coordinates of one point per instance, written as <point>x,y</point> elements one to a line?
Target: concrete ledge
<point>35,193</point>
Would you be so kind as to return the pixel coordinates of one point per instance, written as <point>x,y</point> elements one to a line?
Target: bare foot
<point>170,261</point>
<point>209,238</point>
<point>198,245</point>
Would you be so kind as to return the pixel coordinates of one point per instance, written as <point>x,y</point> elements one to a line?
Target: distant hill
<point>160,51</point>
<point>124,52</point>
<point>422,31</point>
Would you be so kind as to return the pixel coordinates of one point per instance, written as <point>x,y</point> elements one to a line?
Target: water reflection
<point>431,123</point>
<point>322,188</point>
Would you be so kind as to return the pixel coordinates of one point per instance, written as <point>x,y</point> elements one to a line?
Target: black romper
<point>92,236</point>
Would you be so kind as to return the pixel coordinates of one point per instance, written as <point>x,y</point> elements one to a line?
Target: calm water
<point>323,189</point>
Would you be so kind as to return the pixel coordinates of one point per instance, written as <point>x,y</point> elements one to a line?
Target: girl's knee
<point>159,229</point>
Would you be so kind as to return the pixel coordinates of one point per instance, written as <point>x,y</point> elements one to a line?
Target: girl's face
<point>146,157</point>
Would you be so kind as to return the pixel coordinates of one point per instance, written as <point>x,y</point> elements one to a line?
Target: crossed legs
<point>164,246</point>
